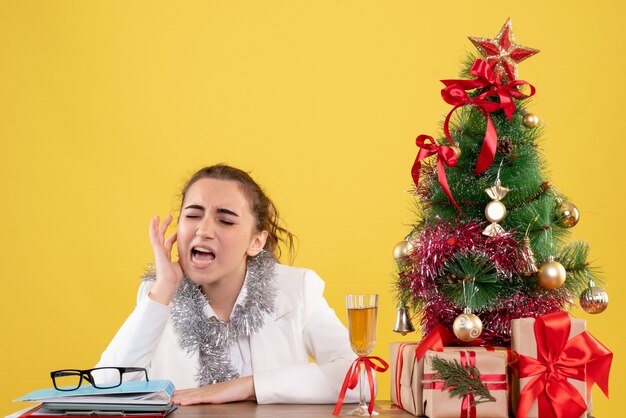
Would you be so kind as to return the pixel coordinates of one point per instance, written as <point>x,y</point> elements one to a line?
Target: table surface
<point>252,409</point>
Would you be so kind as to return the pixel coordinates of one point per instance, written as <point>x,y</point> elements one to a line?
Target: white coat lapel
<point>273,343</point>
<point>283,307</point>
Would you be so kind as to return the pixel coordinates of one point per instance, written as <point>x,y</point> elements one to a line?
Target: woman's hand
<point>169,274</point>
<point>241,389</point>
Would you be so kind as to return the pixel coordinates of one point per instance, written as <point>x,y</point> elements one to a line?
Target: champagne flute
<point>362,310</point>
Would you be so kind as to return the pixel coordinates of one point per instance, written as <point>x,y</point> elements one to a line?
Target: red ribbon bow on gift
<point>455,93</point>
<point>582,358</point>
<point>445,155</point>
<point>352,379</point>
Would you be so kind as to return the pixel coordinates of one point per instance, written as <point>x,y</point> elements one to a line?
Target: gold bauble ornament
<point>531,120</point>
<point>594,300</point>
<point>457,151</point>
<point>402,250</point>
<point>401,253</point>
<point>551,274</point>
<point>467,326</point>
<point>568,215</point>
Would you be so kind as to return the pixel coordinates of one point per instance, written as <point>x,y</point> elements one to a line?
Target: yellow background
<point>106,107</point>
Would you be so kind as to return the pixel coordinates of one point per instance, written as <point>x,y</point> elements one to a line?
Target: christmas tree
<point>491,240</point>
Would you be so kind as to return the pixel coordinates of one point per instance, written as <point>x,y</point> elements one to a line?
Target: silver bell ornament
<point>403,321</point>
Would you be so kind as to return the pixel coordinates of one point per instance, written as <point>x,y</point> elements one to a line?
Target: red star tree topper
<point>502,53</point>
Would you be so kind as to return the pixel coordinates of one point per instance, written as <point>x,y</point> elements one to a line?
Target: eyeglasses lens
<point>67,380</point>
<point>107,377</point>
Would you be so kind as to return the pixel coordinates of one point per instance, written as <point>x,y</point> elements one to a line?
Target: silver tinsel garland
<point>211,337</point>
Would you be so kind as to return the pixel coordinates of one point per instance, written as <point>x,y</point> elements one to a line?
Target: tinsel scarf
<point>211,337</point>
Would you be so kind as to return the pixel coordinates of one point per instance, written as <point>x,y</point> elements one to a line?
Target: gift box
<point>407,369</point>
<point>406,377</point>
<point>440,402</point>
<point>555,351</point>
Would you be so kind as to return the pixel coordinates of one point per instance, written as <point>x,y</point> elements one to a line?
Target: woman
<point>225,322</point>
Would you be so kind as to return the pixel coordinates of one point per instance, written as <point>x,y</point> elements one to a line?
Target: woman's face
<point>216,232</point>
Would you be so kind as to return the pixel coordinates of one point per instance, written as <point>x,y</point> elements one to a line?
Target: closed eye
<point>194,211</point>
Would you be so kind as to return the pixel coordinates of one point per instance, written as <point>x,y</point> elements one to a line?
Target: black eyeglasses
<point>99,378</point>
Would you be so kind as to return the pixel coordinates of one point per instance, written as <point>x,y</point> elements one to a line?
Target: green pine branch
<point>461,381</point>
<point>474,273</point>
<point>573,257</point>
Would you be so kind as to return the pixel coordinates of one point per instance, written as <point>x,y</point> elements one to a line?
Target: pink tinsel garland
<point>440,242</point>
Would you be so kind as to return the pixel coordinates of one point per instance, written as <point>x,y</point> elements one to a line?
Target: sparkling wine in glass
<point>362,311</point>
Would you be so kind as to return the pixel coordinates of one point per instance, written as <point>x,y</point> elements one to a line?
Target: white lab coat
<point>302,325</point>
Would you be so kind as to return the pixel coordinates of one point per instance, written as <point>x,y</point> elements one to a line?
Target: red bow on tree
<point>582,358</point>
<point>445,155</point>
<point>455,93</point>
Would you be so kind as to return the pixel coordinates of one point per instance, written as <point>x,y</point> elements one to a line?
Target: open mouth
<point>202,257</point>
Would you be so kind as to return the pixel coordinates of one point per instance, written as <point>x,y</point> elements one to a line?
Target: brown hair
<point>261,205</point>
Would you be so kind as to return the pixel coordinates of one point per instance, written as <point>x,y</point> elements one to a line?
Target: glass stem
<point>362,384</point>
